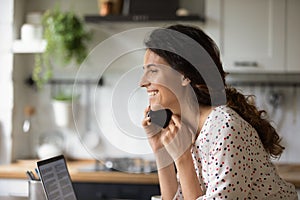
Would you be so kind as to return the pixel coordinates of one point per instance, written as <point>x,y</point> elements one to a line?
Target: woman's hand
<point>177,138</point>
<point>153,132</point>
<point>168,144</point>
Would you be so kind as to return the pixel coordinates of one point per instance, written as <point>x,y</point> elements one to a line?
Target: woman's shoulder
<point>224,122</point>
<point>224,111</point>
<point>224,115</point>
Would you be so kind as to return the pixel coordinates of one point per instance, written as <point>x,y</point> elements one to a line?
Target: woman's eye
<point>153,70</point>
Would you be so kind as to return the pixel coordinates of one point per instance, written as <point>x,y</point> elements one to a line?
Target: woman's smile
<point>152,93</point>
<point>155,98</point>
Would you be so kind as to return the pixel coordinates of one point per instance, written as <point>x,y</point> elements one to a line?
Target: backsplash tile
<point>112,143</point>
<point>284,117</point>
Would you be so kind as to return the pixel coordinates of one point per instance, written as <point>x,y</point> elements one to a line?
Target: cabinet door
<point>252,35</point>
<point>13,187</point>
<point>293,36</point>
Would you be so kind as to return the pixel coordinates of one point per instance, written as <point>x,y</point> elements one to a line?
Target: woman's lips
<point>152,93</point>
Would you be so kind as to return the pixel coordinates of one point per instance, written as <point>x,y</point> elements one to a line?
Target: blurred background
<point>259,42</point>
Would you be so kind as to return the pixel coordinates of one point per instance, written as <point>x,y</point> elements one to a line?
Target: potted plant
<point>64,104</point>
<point>67,40</point>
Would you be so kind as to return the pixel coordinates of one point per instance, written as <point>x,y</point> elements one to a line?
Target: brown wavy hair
<point>160,40</point>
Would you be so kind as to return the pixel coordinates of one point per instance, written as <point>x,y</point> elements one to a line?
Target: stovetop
<point>130,165</point>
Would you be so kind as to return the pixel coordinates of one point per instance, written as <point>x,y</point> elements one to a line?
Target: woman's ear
<point>185,81</point>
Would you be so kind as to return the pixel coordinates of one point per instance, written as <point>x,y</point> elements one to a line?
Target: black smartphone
<point>160,117</point>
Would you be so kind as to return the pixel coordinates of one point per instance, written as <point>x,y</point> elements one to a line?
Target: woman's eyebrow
<point>149,65</point>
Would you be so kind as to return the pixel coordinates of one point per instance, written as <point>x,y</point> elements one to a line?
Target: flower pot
<point>63,113</point>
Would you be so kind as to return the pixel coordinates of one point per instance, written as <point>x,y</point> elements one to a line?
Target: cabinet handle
<point>246,64</point>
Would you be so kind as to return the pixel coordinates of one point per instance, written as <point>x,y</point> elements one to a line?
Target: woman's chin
<point>156,106</point>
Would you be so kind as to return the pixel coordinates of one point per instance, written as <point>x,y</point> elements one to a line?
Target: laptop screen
<point>56,179</point>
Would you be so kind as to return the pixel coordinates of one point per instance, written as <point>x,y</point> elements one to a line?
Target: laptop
<point>56,179</point>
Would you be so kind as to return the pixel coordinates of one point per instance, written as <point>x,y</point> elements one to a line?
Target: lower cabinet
<point>13,187</point>
<point>107,191</point>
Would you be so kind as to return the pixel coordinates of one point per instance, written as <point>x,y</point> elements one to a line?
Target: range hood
<point>140,18</point>
<point>148,10</point>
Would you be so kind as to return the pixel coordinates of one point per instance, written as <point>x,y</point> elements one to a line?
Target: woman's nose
<point>144,82</point>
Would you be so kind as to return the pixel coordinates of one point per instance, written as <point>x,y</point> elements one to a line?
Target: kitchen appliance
<point>150,8</point>
<point>122,164</point>
<point>51,143</point>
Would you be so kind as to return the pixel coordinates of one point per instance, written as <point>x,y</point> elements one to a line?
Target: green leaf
<point>67,40</point>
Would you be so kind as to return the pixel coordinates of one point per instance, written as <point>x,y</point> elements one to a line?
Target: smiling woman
<point>160,75</point>
<point>220,145</point>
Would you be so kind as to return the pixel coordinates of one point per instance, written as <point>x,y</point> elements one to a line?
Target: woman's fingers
<point>172,126</point>
<point>146,111</point>
<point>146,120</point>
<point>170,132</point>
<point>150,128</point>
<point>176,120</point>
<point>166,138</point>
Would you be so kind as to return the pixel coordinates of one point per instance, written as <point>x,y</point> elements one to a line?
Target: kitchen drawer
<point>96,191</point>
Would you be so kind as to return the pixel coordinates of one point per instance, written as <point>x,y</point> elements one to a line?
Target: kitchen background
<point>259,41</point>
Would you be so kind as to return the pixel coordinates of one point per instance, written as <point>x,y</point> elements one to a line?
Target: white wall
<point>6,86</point>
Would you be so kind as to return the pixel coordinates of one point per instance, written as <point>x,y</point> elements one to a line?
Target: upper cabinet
<point>293,36</point>
<point>253,35</point>
<point>257,36</point>
<point>148,11</point>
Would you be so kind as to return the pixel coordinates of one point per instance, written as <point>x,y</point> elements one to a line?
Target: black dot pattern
<point>231,163</point>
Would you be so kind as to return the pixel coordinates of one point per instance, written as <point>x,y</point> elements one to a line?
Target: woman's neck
<point>195,116</point>
<point>204,112</point>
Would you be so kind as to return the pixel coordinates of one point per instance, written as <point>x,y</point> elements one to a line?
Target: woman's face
<point>162,82</point>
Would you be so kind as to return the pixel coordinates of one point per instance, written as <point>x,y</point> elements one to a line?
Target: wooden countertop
<point>289,172</point>
<point>17,171</point>
<point>12,198</point>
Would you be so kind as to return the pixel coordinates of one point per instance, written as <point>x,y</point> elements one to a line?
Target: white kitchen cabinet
<point>253,35</point>
<point>293,36</point>
<point>13,187</point>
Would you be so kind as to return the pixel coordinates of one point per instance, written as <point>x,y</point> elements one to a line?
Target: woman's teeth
<point>152,93</point>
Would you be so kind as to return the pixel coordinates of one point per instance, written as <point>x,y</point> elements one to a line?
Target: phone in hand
<point>160,117</point>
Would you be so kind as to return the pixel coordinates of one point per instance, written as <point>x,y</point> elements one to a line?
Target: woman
<point>216,145</point>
